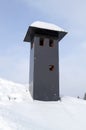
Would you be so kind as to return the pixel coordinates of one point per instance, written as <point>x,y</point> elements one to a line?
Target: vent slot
<point>51,67</point>
<point>51,43</point>
<point>41,42</point>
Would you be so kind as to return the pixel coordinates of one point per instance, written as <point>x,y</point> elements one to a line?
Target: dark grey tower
<point>44,60</point>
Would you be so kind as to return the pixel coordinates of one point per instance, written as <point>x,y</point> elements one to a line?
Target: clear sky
<point>17,15</point>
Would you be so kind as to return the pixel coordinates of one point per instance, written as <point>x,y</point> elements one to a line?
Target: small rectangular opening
<point>41,42</point>
<point>51,67</point>
<point>51,43</point>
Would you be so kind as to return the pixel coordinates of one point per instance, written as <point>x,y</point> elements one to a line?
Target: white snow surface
<point>48,26</point>
<point>19,112</point>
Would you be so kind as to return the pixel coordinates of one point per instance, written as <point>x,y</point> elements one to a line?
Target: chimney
<point>44,60</point>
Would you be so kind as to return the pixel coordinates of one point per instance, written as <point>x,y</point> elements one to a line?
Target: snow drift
<point>19,112</point>
<point>13,91</point>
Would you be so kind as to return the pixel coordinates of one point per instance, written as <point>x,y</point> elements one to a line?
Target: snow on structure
<point>44,25</point>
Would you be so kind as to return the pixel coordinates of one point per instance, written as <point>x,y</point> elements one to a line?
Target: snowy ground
<point>19,112</point>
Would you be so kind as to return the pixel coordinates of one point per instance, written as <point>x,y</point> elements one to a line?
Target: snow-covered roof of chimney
<point>48,26</point>
<point>44,28</point>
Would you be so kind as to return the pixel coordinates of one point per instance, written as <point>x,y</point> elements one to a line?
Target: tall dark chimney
<point>44,60</point>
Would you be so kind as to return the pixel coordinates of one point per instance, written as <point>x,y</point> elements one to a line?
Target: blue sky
<point>17,15</point>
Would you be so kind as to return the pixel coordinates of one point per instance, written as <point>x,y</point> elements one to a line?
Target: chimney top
<point>46,29</point>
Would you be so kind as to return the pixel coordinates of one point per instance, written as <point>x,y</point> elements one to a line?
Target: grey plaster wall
<point>44,84</point>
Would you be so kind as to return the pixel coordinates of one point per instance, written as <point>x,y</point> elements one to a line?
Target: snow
<point>19,112</point>
<point>13,91</point>
<point>45,25</point>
